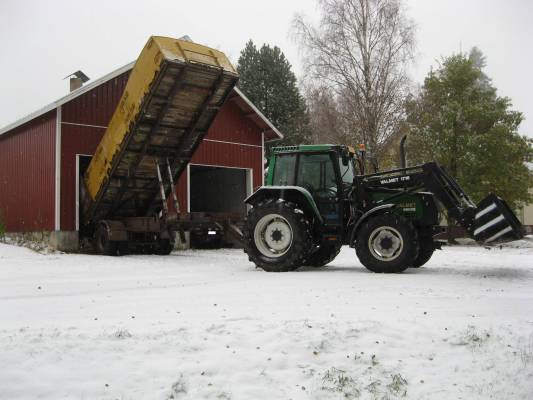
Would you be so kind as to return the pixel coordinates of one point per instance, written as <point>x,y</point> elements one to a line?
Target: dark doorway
<point>218,189</point>
<point>82,163</point>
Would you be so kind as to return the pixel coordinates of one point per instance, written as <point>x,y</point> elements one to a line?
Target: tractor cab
<point>325,172</point>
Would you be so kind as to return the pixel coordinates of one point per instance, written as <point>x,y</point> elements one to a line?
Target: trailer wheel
<point>325,254</point>
<point>105,246</point>
<point>425,250</point>
<point>387,243</point>
<point>165,247</point>
<point>277,236</point>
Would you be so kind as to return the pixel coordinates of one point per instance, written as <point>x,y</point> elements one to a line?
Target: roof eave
<point>72,95</point>
<point>261,115</point>
<point>277,135</point>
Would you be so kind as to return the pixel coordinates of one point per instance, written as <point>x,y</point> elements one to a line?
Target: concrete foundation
<point>58,240</point>
<point>39,237</point>
<point>67,241</point>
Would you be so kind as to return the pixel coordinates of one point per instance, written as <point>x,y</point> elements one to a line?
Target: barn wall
<point>231,125</point>
<point>83,124</point>
<point>27,175</point>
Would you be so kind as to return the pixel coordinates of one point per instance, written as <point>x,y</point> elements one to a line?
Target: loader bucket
<point>494,221</point>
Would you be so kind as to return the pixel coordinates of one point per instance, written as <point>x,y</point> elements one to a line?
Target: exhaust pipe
<point>403,163</point>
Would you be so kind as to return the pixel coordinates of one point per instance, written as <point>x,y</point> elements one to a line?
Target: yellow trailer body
<point>173,93</point>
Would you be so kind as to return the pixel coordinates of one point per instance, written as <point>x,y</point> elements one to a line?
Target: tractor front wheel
<point>277,236</point>
<point>387,243</point>
<point>425,250</point>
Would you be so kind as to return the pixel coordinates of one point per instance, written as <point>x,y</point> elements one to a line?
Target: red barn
<point>43,155</point>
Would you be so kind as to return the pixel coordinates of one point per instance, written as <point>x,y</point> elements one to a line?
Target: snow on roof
<point>78,92</point>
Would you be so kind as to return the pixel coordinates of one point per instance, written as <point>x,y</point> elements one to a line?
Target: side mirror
<point>345,158</point>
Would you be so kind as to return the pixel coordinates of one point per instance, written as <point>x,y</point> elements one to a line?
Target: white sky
<point>43,41</point>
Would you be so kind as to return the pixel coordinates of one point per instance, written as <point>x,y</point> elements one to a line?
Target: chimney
<point>77,79</point>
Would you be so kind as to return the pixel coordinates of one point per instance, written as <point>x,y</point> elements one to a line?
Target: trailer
<point>173,94</point>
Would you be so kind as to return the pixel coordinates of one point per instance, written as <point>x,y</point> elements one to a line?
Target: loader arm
<point>491,220</point>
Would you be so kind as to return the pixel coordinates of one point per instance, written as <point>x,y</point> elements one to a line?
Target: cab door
<point>316,172</point>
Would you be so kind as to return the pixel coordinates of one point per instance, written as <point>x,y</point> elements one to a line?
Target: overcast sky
<point>43,41</point>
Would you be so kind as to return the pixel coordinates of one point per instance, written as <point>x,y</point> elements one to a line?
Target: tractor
<point>318,198</point>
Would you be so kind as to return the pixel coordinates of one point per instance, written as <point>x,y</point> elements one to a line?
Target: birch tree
<point>360,50</point>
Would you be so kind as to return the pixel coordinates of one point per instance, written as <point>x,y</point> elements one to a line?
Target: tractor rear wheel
<point>277,236</point>
<point>387,243</point>
<point>325,254</point>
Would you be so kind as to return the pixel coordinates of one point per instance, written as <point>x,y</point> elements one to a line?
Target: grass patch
<point>472,338</point>
<point>336,381</point>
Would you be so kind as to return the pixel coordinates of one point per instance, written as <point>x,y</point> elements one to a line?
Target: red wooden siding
<point>27,175</point>
<point>95,107</point>
<point>232,126</point>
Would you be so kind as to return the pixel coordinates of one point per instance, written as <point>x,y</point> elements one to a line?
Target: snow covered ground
<point>207,324</point>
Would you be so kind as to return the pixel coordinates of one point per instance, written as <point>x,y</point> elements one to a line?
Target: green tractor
<point>318,198</point>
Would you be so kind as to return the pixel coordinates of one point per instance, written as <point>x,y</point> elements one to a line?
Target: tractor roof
<point>306,147</point>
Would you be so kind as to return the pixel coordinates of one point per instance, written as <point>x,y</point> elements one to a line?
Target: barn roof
<point>249,110</point>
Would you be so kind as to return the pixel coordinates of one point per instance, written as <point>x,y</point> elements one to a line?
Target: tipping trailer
<point>173,94</point>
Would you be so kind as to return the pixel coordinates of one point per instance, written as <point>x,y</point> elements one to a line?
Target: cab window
<point>284,170</point>
<point>316,173</point>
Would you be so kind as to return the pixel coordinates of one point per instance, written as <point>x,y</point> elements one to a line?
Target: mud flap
<point>494,221</point>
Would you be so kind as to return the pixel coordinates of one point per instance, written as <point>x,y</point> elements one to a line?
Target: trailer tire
<point>105,246</point>
<point>165,247</point>
<point>387,243</point>
<point>290,239</point>
<point>325,254</point>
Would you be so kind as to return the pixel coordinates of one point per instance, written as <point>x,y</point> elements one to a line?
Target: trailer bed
<point>172,96</point>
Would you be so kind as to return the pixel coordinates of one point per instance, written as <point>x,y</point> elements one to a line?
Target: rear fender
<point>370,213</point>
<point>294,194</point>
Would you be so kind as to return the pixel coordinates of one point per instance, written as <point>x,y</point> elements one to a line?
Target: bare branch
<point>358,55</point>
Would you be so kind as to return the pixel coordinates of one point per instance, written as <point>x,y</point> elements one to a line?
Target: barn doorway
<point>82,163</point>
<point>218,189</point>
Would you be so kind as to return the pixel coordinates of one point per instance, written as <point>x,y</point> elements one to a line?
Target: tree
<point>326,118</point>
<point>267,80</point>
<point>360,50</point>
<point>459,120</point>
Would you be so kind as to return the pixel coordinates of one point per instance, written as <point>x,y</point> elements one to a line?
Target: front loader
<point>318,198</point>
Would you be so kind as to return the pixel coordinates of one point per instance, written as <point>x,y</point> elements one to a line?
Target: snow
<point>207,324</point>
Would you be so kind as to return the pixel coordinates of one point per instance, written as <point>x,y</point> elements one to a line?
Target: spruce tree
<point>266,78</point>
